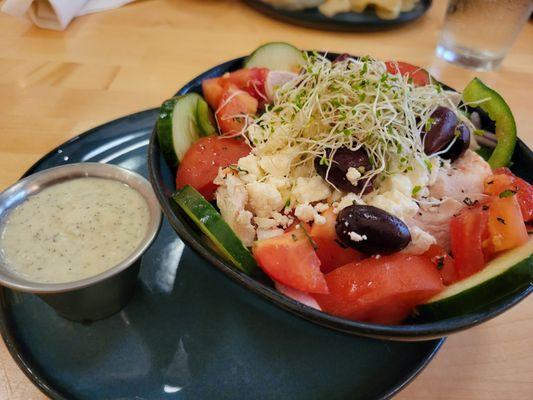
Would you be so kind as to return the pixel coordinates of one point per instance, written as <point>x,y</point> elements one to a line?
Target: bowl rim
<point>46,178</point>
<point>420,331</point>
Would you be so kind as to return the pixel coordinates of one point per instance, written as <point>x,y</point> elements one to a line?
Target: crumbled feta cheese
<point>263,199</point>
<point>397,182</point>
<point>355,237</point>
<point>278,183</point>
<point>310,190</point>
<point>420,241</point>
<point>321,207</point>
<point>250,171</point>
<point>220,179</point>
<point>346,201</point>
<point>268,233</point>
<point>232,197</point>
<point>394,202</point>
<point>421,175</point>
<point>353,175</point>
<point>305,212</point>
<point>319,219</point>
<point>282,220</point>
<point>265,223</point>
<point>277,165</point>
<point>243,227</point>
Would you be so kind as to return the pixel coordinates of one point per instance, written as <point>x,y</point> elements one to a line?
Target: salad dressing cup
<point>98,296</point>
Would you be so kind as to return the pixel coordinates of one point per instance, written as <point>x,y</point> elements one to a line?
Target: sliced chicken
<point>435,220</point>
<point>464,179</point>
<point>457,186</point>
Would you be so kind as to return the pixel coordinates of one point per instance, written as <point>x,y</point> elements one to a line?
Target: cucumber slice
<point>276,56</point>
<point>210,222</point>
<point>179,125</point>
<point>205,118</point>
<point>502,276</point>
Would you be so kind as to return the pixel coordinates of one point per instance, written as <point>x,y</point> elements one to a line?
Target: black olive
<point>382,233</point>
<point>461,143</point>
<point>343,159</point>
<point>442,130</point>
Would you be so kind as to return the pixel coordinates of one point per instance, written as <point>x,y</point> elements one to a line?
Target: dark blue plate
<point>190,333</point>
<point>163,181</point>
<point>348,21</point>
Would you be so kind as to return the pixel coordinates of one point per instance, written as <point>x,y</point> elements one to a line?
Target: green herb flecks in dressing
<point>73,230</point>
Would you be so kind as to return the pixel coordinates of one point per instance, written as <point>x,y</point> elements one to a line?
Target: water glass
<point>478,33</point>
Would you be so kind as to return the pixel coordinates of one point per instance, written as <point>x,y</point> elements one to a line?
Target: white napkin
<point>57,14</point>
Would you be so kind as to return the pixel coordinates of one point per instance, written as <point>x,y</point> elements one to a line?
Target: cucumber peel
<point>182,121</point>
<point>498,110</point>
<point>506,274</point>
<point>211,223</point>
<point>205,118</point>
<point>276,56</point>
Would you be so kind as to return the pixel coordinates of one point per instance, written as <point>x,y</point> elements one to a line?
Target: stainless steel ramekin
<point>99,296</point>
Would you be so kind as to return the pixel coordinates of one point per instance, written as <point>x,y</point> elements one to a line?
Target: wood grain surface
<point>55,85</point>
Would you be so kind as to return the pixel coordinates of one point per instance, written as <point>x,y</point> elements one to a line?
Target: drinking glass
<point>478,33</point>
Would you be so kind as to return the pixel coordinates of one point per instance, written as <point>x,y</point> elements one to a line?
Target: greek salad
<point>362,188</point>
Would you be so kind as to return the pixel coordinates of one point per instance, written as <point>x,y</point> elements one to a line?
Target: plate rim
<point>332,23</point>
<point>421,331</point>
<point>27,364</point>
<point>9,338</point>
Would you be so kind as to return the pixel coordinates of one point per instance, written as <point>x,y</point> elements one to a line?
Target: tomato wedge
<point>443,262</point>
<point>419,76</point>
<point>505,225</point>
<point>467,233</point>
<point>504,182</point>
<point>291,260</point>
<point>331,252</point>
<point>251,80</point>
<point>201,162</point>
<point>213,89</point>
<point>380,290</point>
<point>235,105</point>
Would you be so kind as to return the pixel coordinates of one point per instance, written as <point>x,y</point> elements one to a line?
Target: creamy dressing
<point>73,230</point>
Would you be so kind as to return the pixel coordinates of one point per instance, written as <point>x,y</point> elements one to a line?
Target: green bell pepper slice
<point>498,110</point>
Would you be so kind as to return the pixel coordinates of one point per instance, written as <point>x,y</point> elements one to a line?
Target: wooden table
<point>54,85</point>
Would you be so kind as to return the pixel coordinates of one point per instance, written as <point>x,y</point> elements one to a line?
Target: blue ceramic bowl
<point>162,177</point>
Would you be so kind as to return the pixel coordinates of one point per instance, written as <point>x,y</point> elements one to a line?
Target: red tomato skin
<point>201,162</point>
<point>380,290</point>
<point>506,226</point>
<point>332,255</point>
<point>297,225</point>
<point>443,262</point>
<point>467,233</point>
<point>291,260</point>
<point>503,179</point>
<point>251,80</point>
<point>213,89</point>
<point>419,75</point>
<point>234,105</point>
